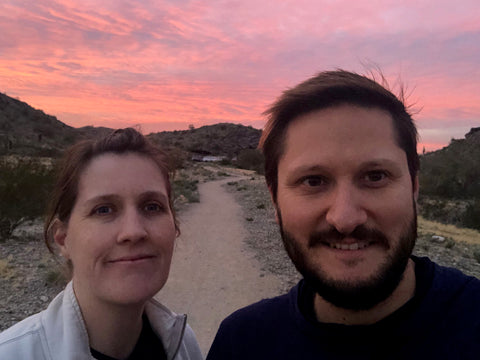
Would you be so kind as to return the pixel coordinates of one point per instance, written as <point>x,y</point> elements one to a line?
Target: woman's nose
<point>132,227</point>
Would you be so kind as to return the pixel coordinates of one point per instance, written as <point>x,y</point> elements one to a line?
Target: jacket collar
<point>66,334</point>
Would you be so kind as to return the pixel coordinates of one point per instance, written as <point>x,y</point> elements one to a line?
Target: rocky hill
<point>454,171</point>
<point>28,131</point>
<point>450,182</point>
<point>220,139</point>
<point>25,130</point>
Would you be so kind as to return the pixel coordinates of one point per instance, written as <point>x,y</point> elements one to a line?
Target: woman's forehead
<point>120,173</point>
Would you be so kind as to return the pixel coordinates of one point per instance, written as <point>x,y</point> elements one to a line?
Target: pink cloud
<point>170,62</point>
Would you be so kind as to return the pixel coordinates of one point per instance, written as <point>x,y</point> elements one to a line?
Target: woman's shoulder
<point>27,326</point>
<point>26,335</point>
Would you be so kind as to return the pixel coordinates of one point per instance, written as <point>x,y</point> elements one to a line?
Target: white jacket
<point>59,333</point>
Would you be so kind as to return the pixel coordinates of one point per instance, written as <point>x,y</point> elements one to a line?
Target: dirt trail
<point>213,273</point>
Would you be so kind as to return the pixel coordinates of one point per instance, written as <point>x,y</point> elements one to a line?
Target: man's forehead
<point>343,120</point>
<point>342,133</point>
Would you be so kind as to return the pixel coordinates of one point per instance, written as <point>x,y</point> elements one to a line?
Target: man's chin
<point>352,292</point>
<point>355,294</point>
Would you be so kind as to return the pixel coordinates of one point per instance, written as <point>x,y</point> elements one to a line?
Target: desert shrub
<point>449,243</point>
<point>471,218</point>
<point>444,210</point>
<point>55,277</point>
<point>178,158</point>
<point>453,172</point>
<point>186,187</point>
<point>226,162</point>
<point>476,255</point>
<point>251,159</point>
<point>24,190</point>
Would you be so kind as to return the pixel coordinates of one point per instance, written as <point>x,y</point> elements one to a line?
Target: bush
<point>476,255</point>
<point>187,188</point>
<point>24,191</point>
<point>471,219</point>
<point>251,159</point>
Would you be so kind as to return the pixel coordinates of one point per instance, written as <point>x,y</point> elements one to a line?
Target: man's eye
<point>153,207</point>
<point>103,210</point>
<point>314,181</point>
<point>375,176</point>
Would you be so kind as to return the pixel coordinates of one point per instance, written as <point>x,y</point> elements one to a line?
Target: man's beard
<point>361,295</point>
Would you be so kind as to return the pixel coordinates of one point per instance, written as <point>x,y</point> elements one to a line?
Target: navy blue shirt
<point>441,321</point>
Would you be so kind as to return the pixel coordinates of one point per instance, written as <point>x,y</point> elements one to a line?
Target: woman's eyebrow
<point>154,195</point>
<point>101,198</point>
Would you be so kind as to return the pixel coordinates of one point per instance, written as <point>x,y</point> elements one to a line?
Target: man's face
<point>346,204</point>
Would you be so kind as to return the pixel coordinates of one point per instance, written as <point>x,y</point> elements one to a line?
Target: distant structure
<point>207,158</point>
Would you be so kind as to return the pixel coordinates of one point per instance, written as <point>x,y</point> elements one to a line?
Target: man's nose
<point>132,227</point>
<point>346,210</point>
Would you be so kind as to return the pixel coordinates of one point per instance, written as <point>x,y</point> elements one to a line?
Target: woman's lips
<point>131,258</point>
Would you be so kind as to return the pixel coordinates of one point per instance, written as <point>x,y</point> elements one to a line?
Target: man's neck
<point>328,313</point>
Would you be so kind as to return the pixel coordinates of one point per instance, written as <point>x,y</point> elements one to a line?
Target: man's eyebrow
<point>379,163</point>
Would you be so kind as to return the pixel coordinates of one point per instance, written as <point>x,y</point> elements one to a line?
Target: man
<point>342,169</point>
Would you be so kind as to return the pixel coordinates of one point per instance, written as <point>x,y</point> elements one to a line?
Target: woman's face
<point>121,231</point>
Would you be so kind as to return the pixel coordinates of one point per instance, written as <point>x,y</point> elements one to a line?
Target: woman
<point>112,220</point>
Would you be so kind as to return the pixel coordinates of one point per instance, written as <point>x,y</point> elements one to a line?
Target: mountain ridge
<point>25,130</point>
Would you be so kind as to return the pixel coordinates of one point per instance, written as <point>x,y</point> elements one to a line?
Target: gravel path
<point>213,272</point>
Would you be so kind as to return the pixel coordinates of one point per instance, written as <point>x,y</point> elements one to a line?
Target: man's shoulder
<point>453,294</point>
<point>267,312</point>
<point>451,280</point>
<point>263,309</point>
<point>258,330</point>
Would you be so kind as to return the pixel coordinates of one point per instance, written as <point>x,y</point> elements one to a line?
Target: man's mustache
<point>360,233</point>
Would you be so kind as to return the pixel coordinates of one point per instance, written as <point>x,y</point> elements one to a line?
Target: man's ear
<point>59,230</point>
<point>272,197</point>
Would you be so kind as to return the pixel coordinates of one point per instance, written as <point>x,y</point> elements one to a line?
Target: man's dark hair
<point>329,89</point>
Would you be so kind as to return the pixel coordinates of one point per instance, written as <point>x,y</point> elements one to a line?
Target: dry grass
<point>469,236</point>
<point>6,271</point>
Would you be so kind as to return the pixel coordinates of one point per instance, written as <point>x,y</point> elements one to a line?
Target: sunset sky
<point>167,64</point>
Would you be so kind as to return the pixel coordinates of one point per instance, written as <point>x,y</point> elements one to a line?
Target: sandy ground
<point>213,273</point>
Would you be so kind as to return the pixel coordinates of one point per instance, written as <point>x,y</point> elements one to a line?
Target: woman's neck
<point>112,329</point>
